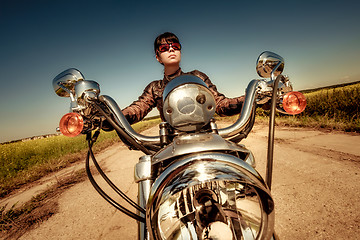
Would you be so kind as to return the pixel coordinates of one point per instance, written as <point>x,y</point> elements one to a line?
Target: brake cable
<point>121,131</point>
<point>101,192</point>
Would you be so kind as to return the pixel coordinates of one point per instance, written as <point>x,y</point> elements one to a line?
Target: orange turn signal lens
<point>294,102</point>
<point>71,124</point>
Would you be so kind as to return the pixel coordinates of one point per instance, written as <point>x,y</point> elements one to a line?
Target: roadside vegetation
<point>24,162</point>
<point>331,108</point>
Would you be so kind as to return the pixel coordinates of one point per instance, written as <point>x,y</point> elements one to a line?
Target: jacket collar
<point>168,78</point>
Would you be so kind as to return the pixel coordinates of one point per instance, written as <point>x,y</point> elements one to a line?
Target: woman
<point>168,53</point>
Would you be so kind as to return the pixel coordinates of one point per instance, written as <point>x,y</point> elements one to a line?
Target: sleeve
<point>141,107</point>
<point>224,106</point>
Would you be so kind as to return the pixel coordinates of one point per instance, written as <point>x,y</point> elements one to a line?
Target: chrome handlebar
<point>227,133</point>
<point>123,123</point>
<point>246,111</point>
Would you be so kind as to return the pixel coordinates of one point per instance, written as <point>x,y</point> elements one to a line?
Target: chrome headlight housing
<point>210,196</point>
<point>188,103</point>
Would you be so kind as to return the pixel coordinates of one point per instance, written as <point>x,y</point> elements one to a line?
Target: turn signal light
<point>294,102</point>
<point>71,124</point>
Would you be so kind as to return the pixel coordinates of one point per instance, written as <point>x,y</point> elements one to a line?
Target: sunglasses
<point>165,47</point>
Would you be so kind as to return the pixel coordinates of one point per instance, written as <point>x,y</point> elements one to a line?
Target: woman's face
<point>170,57</point>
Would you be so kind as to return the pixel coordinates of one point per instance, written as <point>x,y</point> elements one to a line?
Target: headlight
<point>188,103</point>
<point>210,196</point>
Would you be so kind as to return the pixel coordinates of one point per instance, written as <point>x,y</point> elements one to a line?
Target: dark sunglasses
<point>165,47</point>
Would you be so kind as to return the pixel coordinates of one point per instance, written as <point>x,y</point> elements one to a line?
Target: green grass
<point>334,108</point>
<point>24,162</point>
<point>340,103</point>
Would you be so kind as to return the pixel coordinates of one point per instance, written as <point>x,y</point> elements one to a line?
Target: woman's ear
<point>158,58</point>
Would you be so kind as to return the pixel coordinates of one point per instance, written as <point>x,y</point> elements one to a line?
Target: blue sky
<point>111,42</point>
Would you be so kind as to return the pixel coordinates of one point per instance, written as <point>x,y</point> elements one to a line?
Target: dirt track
<point>315,187</point>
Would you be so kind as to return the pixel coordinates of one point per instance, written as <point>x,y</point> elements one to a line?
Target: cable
<point>121,131</point>
<point>113,186</point>
<point>102,193</point>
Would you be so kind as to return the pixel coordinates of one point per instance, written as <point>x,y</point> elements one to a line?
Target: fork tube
<point>143,178</point>
<point>143,194</point>
<point>270,153</point>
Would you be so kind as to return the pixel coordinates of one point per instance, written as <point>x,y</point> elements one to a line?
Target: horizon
<point>149,117</point>
<point>111,42</point>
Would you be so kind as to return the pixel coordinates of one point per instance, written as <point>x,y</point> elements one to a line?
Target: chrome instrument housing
<point>188,103</point>
<point>210,194</point>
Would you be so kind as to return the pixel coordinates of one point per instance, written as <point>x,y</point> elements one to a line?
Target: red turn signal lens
<point>71,124</point>
<point>294,102</point>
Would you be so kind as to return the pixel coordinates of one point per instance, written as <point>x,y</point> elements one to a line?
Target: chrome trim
<point>250,159</point>
<point>246,111</point>
<point>65,81</point>
<point>189,107</point>
<point>82,87</point>
<point>143,178</point>
<point>269,65</point>
<point>143,194</point>
<point>143,169</point>
<point>202,170</point>
<point>194,143</point>
<point>213,157</point>
<point>183,79</point>
<point>121,120</point>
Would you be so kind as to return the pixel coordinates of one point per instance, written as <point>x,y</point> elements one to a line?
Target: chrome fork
<point>143,178</point>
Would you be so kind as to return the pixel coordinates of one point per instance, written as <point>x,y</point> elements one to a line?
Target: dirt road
<point>315,186</point>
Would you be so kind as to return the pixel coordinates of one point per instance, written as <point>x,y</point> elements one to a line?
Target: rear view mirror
<point>269,64</point>
<point>64,83</point>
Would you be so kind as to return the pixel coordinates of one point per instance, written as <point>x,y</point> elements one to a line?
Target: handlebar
<point>121,120</point>
<point>230,133</point>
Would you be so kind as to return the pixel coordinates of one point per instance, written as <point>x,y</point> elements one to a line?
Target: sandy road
<point>315,186</point>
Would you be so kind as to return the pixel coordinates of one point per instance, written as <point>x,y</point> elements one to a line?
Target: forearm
<point>224,106</point>
<point>141,107</point>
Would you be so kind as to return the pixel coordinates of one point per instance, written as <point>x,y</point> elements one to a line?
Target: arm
<point>141,107</point>
<point>224,106</point>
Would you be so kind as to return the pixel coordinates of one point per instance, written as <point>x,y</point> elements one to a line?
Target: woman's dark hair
<point>168,37</point>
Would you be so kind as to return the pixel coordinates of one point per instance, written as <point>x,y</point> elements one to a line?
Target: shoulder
<point>154,84</point>
<point>199,74</point>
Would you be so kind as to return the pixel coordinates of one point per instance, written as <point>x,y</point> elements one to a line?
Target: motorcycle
<point>195,181</point>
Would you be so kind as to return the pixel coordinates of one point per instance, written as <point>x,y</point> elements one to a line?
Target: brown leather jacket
<point>153,94</point>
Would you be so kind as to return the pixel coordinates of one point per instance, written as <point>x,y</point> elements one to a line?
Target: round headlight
<point>203,198</point>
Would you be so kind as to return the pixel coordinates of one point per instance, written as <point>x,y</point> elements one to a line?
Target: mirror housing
<point>86,89</point>
<point>64,83</point>
<point>269,64</point>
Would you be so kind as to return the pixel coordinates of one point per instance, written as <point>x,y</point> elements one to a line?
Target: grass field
<point>23,162</point>
<point>336,107</point>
